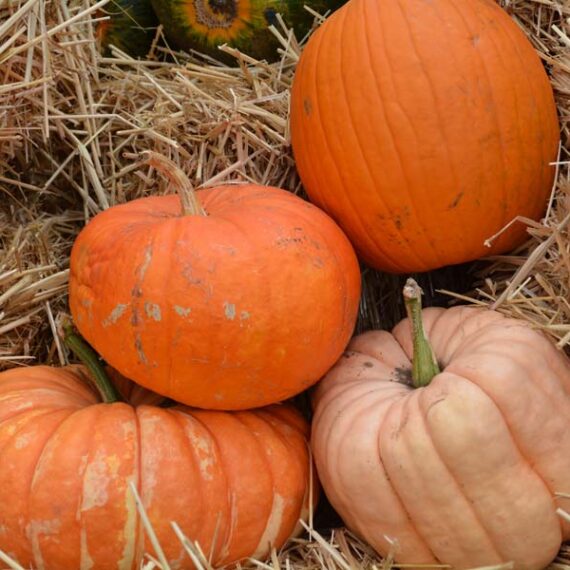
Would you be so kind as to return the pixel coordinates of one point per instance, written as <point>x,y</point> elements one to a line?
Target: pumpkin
<point>464,469</point>
<point>235,482</point>
<point>131,27</point>
<point>246,305</point>
<point>423,129</point>
<point>203,25</point>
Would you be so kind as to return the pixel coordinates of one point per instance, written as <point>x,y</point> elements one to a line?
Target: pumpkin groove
<point>312,151</point>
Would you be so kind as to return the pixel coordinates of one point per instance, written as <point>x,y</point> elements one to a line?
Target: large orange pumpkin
<point>242,307</point>
<point>237,483</point>
<point>464,470</point>
<point>423,128</point>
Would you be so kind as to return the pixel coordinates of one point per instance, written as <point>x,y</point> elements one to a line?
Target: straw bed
<point>73,126</point>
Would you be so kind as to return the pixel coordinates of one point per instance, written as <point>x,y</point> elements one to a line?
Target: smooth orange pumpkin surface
<point>423,128</point>
<point>245,306</point>
<point>237,483</point>
<point>463,471</point>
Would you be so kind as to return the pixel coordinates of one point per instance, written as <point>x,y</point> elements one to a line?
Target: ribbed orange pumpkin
<point>464,470</point>
<point>235,482</point>
<point>242,307</point>
<point>423,128</point>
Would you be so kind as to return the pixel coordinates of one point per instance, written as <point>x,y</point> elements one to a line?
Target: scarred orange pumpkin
<point>423,128</point>
<point>242,307</point>
<point>466,468</point>
<point>237,483</point>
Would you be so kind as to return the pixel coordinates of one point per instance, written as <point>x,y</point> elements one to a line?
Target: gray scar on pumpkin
<point>230,311</point>
<point>115,314</point>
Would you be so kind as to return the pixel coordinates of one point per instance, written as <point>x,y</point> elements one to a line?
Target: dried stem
<point>190,203</point>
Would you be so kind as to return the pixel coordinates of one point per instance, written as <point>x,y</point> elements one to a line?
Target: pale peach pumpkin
<point>463,471</point>
<point>237,483</point>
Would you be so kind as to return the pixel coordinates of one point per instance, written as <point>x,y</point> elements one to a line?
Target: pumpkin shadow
<point>382,304</point>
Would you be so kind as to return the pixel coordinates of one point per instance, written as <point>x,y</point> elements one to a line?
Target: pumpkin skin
<point>463,471</point>
<point>423,128</point>
<point>203,25</point>
<point>131,27</point>
<point>67,461</point>
<point>244,307</point>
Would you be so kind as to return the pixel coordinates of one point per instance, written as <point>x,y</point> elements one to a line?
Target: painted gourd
<point>236,483</point>
<point>464,470</point>
<point>203,25</point>
<point>131,27</point>
<point>423,128</point>
<point>242,307</point>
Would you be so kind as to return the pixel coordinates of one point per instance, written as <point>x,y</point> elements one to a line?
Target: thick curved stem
<point>190,204</point>
<point>89,357</point>
<point>424,363</point>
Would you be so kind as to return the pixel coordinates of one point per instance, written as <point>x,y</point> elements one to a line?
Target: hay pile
<point>73,124</point>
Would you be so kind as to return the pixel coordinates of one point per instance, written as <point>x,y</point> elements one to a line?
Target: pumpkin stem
<point>190,204</point>
<point>424,363</point>
<point>89,357</point>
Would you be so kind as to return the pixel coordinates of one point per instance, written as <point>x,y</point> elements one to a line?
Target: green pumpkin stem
<point>424,363</point>
<point>175,175</point>
<point>89,357</point>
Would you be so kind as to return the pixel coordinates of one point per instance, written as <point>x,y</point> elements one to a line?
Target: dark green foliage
<point>203,25</point>
<point>131,27</point>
